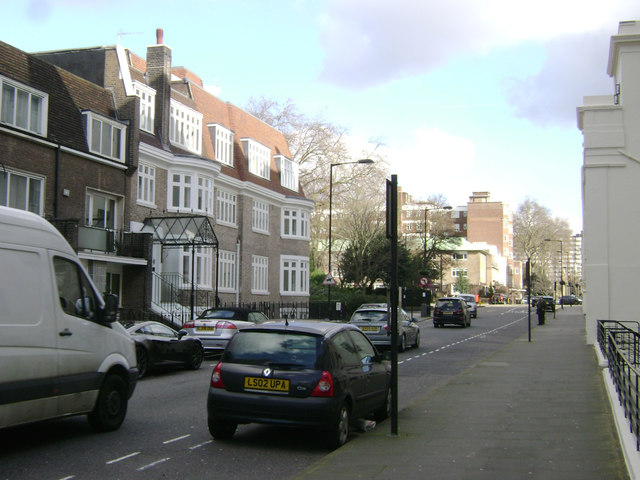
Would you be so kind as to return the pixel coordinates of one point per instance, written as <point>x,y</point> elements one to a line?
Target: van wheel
<point>111,406</point>
<point>143,360</point>
<point>196,355</point>
<point>221,430</point>
<point>337,436</point>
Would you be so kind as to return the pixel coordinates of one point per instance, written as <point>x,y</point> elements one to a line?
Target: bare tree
<point>316,144</point>
<point>537,236</point>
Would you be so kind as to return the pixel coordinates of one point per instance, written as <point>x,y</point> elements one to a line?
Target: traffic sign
<point>424,281</point>
<point>329,280</point>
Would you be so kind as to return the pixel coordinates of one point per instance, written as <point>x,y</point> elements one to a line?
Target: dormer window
<point>288,172</point>
<point>147,97</point>
<point>105,136</point>
<point>186,127</point>
<point>258,156</point>
<point>23,107</point>
<point>223,141</point>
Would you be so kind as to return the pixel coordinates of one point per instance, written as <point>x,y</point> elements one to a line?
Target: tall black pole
<point>392,233</point>
<point>330,211</point>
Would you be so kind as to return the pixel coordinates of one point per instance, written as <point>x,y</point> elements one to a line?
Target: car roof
<point>137,325</point>
<point>314,327</point>
<point>373,306</point>
<point>449,298</point>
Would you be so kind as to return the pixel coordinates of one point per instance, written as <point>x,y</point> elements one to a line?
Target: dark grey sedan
<point>373,320</point>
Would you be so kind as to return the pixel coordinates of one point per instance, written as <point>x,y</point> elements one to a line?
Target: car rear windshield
<point>276,349</point>
<point>369,316</point>
<point>448,304</point>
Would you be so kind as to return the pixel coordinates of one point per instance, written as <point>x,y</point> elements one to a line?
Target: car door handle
<point>65,333</point>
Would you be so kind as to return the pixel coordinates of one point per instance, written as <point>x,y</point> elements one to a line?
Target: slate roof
<point>69,95</point>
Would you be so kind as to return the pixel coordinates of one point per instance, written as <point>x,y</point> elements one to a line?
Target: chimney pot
<point>159,36</point>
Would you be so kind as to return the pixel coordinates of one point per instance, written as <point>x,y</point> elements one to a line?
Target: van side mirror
<point>110,312</point>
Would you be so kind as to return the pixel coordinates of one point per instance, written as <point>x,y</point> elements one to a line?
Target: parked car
<point>451,310</point>
<point>550,305</point>
<point>215,326</point>
<point>570,300</point>
<point>156,343</point>
<point>470,300</point>
<point>310,374</point>
<point>373,320</point>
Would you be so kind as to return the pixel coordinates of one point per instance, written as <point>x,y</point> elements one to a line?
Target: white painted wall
<point>611,187</point>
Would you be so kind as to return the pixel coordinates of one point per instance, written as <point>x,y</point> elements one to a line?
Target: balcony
<point>106,241</point>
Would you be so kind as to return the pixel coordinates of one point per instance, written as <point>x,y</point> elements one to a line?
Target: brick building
<point>212,190</point>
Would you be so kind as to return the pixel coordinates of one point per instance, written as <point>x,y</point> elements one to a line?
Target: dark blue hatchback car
<point>321,375</point>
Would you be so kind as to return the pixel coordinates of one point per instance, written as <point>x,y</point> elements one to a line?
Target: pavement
<point>532,410</point>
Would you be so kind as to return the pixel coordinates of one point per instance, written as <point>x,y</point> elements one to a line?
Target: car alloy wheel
<point>339,433</point>
<point>143,360</point>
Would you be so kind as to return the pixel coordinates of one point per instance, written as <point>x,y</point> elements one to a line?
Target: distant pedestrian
<point>541,306</point>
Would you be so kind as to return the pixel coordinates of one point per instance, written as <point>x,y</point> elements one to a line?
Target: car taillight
<point>225,324</point>
<point>216,377</point>
<point>324,388</point>
<point>458,312</point>
<point>437,311</point>
<point>189,325</point>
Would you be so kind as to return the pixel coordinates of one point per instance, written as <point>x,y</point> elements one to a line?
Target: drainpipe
<point>238,263</point>
<point>56,185</point>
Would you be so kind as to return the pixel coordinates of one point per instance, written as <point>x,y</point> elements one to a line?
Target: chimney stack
<point>159,78</point>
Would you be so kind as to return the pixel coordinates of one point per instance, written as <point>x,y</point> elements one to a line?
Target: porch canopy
<point>194,230</point>
<point>187,230</point>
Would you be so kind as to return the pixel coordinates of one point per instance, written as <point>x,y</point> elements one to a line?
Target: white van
<point>61,350</point>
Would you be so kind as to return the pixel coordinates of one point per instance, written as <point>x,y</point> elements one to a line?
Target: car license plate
<point>369,329</point>
<point>448,313</point>
<point>206,329</point>
<point>268,384</point>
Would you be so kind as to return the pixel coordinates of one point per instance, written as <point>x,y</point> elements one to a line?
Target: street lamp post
<point>561,276</point>
<point>361,161</point>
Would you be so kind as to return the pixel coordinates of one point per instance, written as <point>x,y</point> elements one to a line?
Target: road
<point>165,433</point>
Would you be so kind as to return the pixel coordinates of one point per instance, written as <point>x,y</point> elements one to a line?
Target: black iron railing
<point>620,344</point>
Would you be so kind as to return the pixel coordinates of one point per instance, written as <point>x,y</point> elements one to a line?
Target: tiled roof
<point>69,95</point>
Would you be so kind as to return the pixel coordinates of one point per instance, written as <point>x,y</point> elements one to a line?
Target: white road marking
<point>176,439</point>
<point>201,444</point>
<point>153,464</point>
<point>116,460</point>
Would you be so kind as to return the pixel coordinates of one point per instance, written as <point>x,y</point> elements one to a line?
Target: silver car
<point>470,300</point>
<point>215,326</point>
<point>372,319</point>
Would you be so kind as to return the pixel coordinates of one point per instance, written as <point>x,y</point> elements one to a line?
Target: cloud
<point>434,162</point>
<point>575,66</point>
<point>372,42</point>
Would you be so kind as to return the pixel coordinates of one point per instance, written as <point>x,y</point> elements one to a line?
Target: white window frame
<point>226,208</point>
<point>205,195</point>
<point>294,275</point>
<point>184,186</point>
<point>260,217</point>
<point>259,275</point>
<point>147,97</point>
<point>146,185</point>
<point>288,172</point>
<point>96,198</point>
<point>227,272</point>
<point>103,142</point>
<point>202,266</point>
<point>456,272</point>
<point>295,223</point>
<point>33,192</point>
<point>223,144</point>
<point>258,158</point>
<point>185,127</point>
<point>35,121</point>
<point>459,256</point>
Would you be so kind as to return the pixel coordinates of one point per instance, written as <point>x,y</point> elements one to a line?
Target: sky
<point>463,95</point>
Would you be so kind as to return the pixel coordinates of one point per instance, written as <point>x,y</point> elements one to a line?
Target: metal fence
<point>620,344</point>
